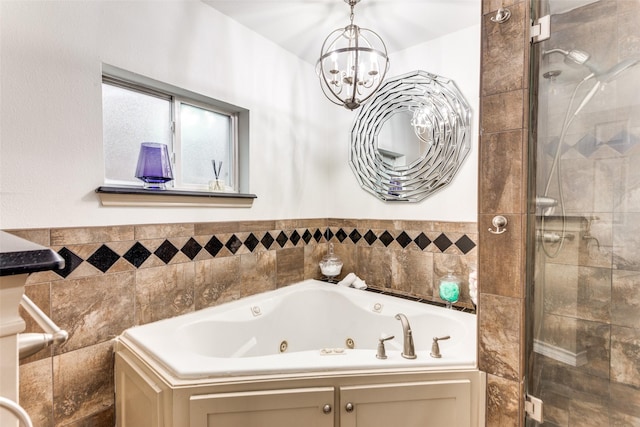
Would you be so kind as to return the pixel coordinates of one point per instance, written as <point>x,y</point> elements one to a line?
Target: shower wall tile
<point>625,298</point>
<point>625,355</point>
<point>502,112</point>
<point>104,418</point>
<point>625,405</point>
<point>503,55</point>
<point>626,240</point>
<point>36,391</point>
<point>93,309</point>
<point>588,414</point>
<point>500,172</point>
<point>82,383</point>
<point>500,332</point>
<point>503,402</point>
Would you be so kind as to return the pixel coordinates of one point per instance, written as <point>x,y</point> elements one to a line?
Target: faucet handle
<point>435,348</point>
<point>381,354</point>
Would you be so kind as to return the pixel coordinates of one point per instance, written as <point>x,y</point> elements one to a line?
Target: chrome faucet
<point>409,351</point>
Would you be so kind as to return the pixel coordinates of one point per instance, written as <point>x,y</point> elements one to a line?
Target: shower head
<point>604,78</point>
<point>576,56</point>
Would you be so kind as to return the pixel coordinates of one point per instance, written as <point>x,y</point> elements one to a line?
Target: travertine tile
<point>258,272</point>
<point>93,310</point>
<point>313,254</point>
<point>503,402</point>
<point>412,272</point>
<point>163,292</point>
<point>41,236</point>
<point>84,235</point>
<point>83,383</point>
<point>289,266</point>
<point>502,112</point>
<point>36,391</point>
<point>625,355</point>
<point>163,231</point>
<point>503,47</point>
<point>40,294</point>
<point>501,173</point>
<point>374,266</point>
<point>499,324</point>
<point>217,281</point>
<point>625,298</point>
<point>501,257</point>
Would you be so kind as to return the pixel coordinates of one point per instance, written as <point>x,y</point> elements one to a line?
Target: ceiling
<point>300,26</point>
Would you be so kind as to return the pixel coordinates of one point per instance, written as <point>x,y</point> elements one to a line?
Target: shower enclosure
<point>583,287</point>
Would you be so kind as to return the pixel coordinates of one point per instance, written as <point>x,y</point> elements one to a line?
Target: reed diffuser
<point>217,184</point>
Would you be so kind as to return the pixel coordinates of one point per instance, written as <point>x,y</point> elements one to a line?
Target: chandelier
<point>352,65</point>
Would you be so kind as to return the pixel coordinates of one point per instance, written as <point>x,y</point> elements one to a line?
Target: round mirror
<point>411,138</point>
<point>397,143</point>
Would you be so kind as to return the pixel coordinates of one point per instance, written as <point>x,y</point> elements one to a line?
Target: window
<point>198,131</point>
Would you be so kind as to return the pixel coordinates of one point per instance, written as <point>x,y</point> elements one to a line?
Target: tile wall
<point>502,184</point>
<point>121,276</point>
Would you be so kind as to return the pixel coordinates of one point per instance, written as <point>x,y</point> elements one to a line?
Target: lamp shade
<point>154,165</point>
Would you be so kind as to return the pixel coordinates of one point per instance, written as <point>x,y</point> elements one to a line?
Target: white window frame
<point>239,119</point>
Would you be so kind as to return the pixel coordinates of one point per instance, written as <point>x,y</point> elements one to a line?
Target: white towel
<point>359,284</point>
<point>348,280</point>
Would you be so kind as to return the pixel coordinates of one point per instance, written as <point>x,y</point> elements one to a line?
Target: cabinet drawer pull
<point>326,409</point>
<point>349,407</point>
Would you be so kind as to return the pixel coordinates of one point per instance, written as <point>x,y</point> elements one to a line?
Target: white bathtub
<point>319,323</point>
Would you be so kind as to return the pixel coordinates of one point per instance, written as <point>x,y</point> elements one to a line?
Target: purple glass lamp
<point>154,166</point>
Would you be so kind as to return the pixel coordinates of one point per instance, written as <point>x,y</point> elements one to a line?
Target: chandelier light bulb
<point>352,65</point>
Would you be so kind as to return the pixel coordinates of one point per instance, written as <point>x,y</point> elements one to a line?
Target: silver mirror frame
<point>451,117</point>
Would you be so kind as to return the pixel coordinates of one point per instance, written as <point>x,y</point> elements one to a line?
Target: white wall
<point>457,57</point>
<point>51,157</point>
<point>51,54</point>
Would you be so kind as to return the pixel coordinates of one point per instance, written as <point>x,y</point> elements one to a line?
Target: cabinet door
<point>419,404</point>
<point>267,408</point>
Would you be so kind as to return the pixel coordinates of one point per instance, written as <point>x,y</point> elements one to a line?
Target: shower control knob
<point>326,409</point>
<point>348,407</point>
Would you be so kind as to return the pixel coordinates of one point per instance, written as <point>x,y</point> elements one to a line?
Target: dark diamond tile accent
<point>442,242</point>
<point>191,248</point>
<point>282,239</point>
<point>213,246</point>
<point>552,146</point>
<point>587,145</point>
<point>386,238</point>
<point>403,239</point>
<point>623,142</point>
<point>267,240</point>
<point>251,242</point>
<point>328,234</point>
<point>71,262</point>
<point>465,244</point>
<point>317,235</point>
<point>166,251</point>
<point>295,237</point>
<point>422,241</point>
<point>370,237</point>
<point>355,236</point>
<point>307,236</point>
<point>233,244</point>
<point>341,235</point>
<point>103,258</point>
<point>137,254</point>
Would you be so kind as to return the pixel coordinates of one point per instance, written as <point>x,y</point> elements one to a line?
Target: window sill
<point>136,196</point>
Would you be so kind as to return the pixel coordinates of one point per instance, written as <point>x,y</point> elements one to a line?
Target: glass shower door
<point>583,287</point>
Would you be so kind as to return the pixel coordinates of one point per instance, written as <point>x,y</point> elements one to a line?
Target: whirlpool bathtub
<point>311,330</point>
